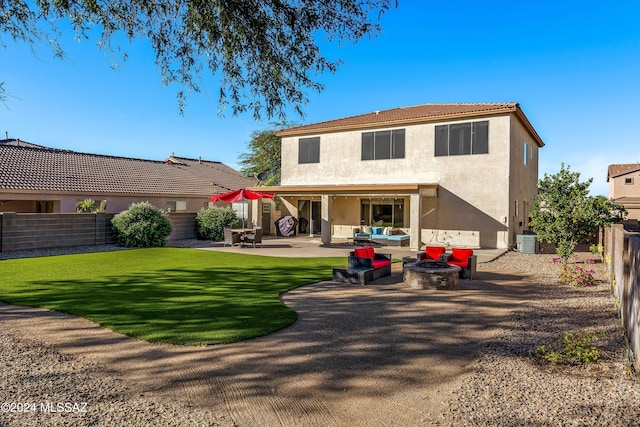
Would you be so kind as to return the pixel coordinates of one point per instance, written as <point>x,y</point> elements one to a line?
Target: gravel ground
<point>509,387</point>
<point>505,387</point>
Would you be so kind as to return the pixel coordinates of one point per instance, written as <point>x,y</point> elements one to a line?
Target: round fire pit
<point>431,274</point>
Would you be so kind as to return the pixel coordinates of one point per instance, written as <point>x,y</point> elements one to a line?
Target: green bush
<point>573,349</point>
<point>141,226</point>
<point>89,205</point>
<point>212,221</point>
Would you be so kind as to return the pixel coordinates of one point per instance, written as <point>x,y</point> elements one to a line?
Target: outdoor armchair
<point>367,258</point>
<point>364,266</point>
<point>465,259</point>
<point>231,238</point>
<point>254,237</point>
<point>431,253</point>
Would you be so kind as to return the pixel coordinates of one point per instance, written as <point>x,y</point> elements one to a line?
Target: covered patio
<point>335,211</point>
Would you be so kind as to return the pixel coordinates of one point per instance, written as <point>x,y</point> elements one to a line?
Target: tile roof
<point>19,143</point>
<point>29,168</point>
<point>622,169</point>
<point>411,115</point>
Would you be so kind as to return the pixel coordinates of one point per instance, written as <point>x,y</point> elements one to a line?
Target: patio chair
<point>231,238</point>
<point>431,253</point>
<point>465,259</point>
<point>254,237</point>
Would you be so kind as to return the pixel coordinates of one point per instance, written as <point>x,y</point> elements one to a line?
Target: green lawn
<point>172,295</point>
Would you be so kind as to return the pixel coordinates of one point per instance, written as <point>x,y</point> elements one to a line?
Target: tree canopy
<point>565,215</point>
<point>263,156</point>
<point>264,51</point>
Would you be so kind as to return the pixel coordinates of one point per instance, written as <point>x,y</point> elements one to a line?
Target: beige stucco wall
<point>617,187</point>
<point>523,177</point>
<point>340,162</point>
<point>476,194</point>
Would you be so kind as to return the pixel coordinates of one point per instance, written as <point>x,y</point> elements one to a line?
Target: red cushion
<point>360,253</point>
<point>379,263</point>
<point>433,252</point>
<point>461,255</point>
<point>366,252</point>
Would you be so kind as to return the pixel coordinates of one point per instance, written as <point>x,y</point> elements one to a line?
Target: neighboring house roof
<point>412,115</point>
<point>19,143</point>
<point>615,171</point>
<point>34,169</point>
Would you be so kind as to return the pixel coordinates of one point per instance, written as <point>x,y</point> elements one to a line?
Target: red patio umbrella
<point>241,194</point>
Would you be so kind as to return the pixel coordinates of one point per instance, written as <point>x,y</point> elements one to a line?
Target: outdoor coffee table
<point>359,241</point>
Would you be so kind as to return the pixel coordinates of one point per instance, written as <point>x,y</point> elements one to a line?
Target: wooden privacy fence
<point>622,254</point>
<point>27,231</point>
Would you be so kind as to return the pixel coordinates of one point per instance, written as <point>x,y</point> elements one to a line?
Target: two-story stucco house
<point>624,187</point>
<point>453,174</point>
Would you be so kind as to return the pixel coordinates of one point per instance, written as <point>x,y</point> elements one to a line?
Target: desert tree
<point>565,215</point>
<point>263,156</point>
<point>265,52</point>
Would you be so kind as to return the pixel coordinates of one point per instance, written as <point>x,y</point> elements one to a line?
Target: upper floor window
<point>628,181</point>
<point>385,144</point>
<point>309,150</point>
<point>462,138</point>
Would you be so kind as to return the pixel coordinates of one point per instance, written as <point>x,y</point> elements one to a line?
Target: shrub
<point>573,349</point>
<point>89,205</point>
<point>141,226</point>
<point>577,276</point>
<point>574,275</point>
<point>596,249</point>
<point>212,221</point>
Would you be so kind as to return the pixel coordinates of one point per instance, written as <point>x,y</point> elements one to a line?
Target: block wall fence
<point>26,231</point>
<point>622,256</point>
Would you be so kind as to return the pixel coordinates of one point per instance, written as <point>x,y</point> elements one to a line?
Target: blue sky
<point>574,67</point>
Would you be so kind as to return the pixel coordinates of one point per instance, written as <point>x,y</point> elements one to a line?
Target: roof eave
<point>349,190</point>
<point>300,131</point>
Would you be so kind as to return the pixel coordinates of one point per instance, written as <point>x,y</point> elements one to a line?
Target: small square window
<point>309,150</point>
<point>628,181</point>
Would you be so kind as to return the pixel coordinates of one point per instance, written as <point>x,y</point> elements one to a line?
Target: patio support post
<point>415,207</point>
<point>256,218</point>
<point>326,214</point>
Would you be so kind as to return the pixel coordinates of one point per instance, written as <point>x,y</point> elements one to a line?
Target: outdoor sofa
<point>364,266</point>
<point>387,236</point>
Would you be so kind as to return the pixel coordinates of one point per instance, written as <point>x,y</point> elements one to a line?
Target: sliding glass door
<point>382,212</point>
